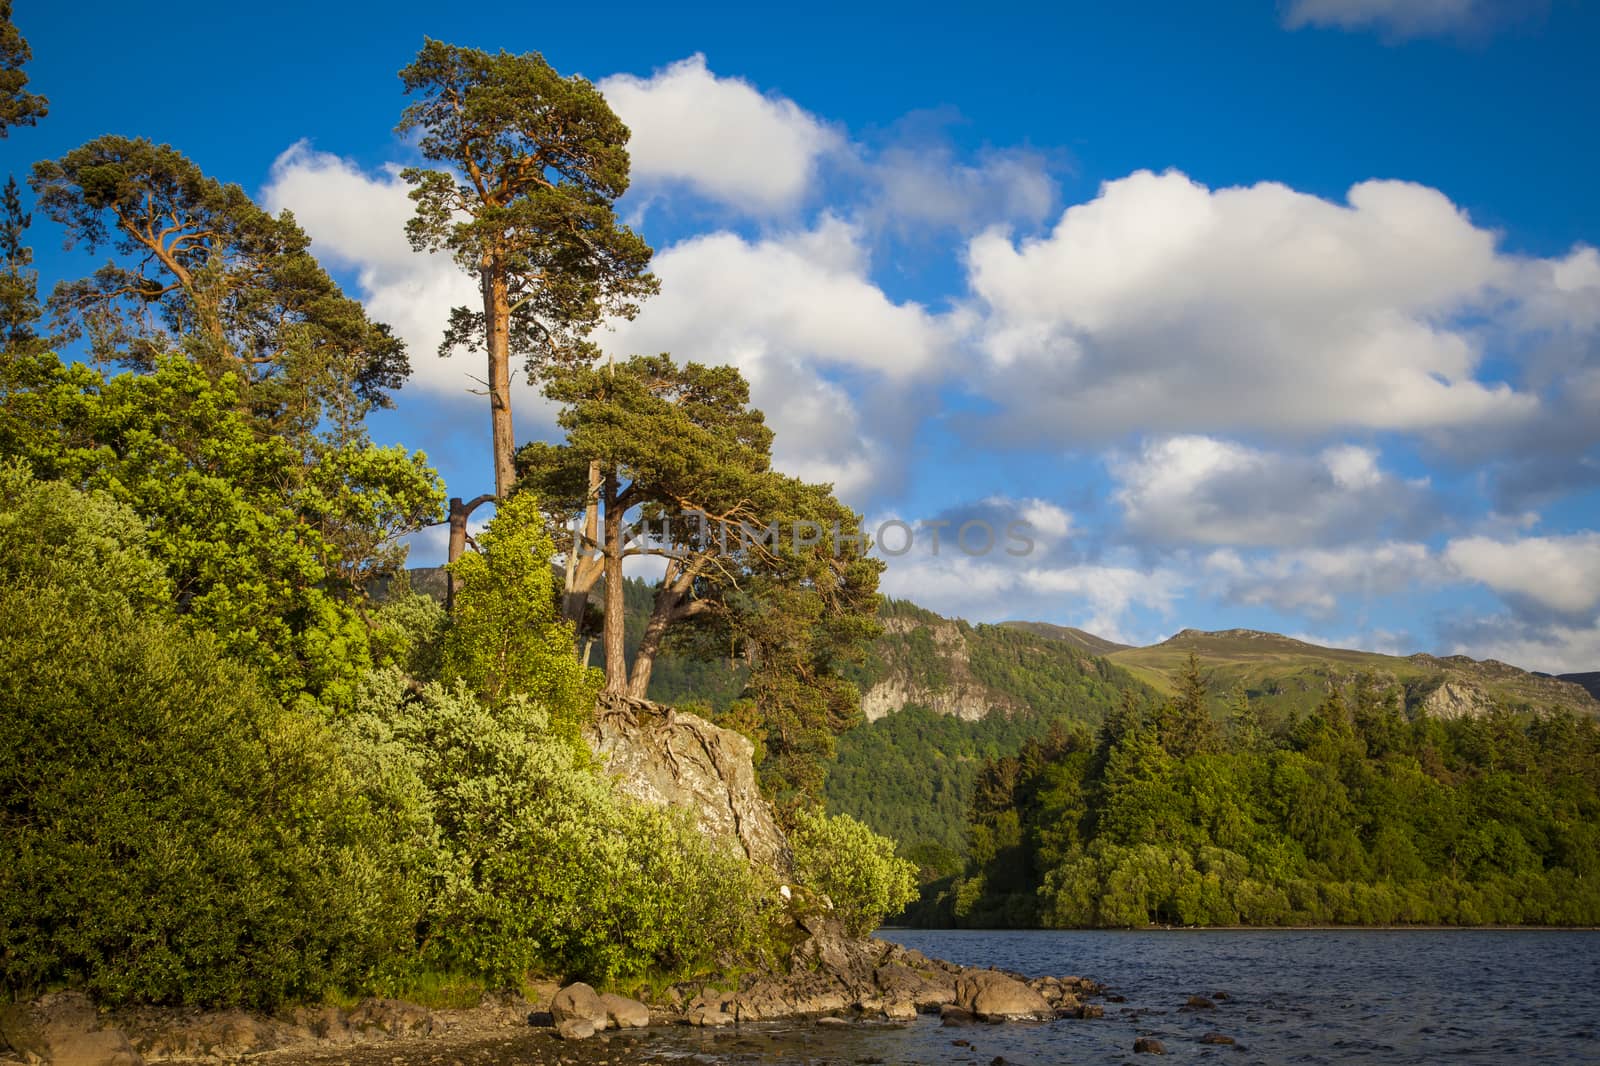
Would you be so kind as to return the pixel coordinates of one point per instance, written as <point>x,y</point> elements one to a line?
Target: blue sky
<point>1278,315</point>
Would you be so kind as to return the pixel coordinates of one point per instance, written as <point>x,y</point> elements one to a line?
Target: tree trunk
<point>459,513</point>
<point>458,545</point>
<point>614,636</point>
<point>580,580</point>
<point>497,337</point>
<point>665,612</point>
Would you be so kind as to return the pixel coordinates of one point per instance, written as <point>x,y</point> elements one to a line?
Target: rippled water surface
<point>1293,997</point>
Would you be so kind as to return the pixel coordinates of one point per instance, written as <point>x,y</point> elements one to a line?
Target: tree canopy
<point>532,163</point>
<point>205,270</point>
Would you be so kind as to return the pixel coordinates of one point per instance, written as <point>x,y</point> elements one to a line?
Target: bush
<point>168,832</point>
<point>539,866</point>
<point>854,867</point>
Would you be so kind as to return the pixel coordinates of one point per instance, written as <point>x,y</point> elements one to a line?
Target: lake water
<point>1478,996</point>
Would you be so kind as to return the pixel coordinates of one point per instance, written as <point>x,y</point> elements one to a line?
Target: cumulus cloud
<point>819,341</point>
<point>997,570</point>
<point>1401,19</point>
<point>1319,583</point>
<point>721,137</point>
<point>1162,304</point>
<point>922,186</point>
<point>1553,647</point>
<point>1554,575</point>
<point>1204,490</point>
<point>357,220</point>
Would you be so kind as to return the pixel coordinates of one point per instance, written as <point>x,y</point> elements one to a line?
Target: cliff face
<point>927,662</point>
<point>674,759</point>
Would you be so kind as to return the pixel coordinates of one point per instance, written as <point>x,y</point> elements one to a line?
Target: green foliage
<point>204,270</point>
<point>17,106</point>
<point>1363,818</point>
<point>505,640</point>
<point>253,534</point>
<point>19,281</point>
<point>169,832</point>
<point>539,865</point>
<point>534,162</point>
<point>854,867</point>
<point>911,774</point>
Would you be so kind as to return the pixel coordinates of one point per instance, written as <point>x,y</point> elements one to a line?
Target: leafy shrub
<point>539,866</point>
<point>854,867</point>
<point>168,833</point>
<point>505,640</point>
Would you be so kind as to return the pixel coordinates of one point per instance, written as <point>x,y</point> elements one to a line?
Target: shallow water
<point>1334,996</point>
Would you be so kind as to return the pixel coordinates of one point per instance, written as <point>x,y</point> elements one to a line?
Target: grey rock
<point>624,1013</point>
<point>395,1017</point>
<point>576,1028</point>
<point>994,996</point>
<point>670,758</point>
<point>578,1002</point>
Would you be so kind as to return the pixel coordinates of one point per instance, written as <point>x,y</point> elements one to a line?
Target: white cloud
<point>1400,19</point>
<point>1203,490</point>
<point>1006,572</point>
<point>719,136</point>
<point>1559,574</point>
<point>1555,648</point>
<point>923,186</point>
<point>799,315</point>
<point>1165,306</point>
<point>357,220</point>
<point>1319,582</point>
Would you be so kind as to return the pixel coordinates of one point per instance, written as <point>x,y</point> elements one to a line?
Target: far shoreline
<point>1324,928</point>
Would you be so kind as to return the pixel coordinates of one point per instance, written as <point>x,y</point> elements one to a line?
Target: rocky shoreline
<point>831,980</point>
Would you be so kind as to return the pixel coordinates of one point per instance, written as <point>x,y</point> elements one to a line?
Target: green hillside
<point>1288,677</point>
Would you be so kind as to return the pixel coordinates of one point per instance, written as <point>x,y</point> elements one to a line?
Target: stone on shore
<point>63,1028</point>
<point>995,997</point>
<point>577,1003</point>
<point>624,1013</point>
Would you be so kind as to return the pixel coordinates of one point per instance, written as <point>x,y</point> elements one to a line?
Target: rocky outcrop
<point>64,1028</point>
<point>950,689</point>
<point>1456,699</point>
<point>673,759</point>
<point>832,974</point>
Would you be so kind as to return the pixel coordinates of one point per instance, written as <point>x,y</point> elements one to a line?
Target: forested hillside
<point>1353,814</point>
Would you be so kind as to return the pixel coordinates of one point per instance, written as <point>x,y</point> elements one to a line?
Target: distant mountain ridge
<point>1289,673</point>
<point>1081,639</point>
<point>1589,681</point>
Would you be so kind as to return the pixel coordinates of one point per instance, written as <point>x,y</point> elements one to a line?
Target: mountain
<point>1589,681</point>
<point>1284,675</point>
<point>1081,639</point>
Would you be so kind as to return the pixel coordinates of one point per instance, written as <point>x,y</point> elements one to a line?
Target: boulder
<point>576,1028</point>
<point>394,1017</point>
<point>1149,1045</point>
<point>709,1009</point>
<point>950,1014</point>
<point>669,758</point>
<point>992,996</point>
<point>1198,1003</point>
<point>624,1013</point>
<point>64,1029</point>
<point>1216,1038</point>
<point>578,1002</point>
